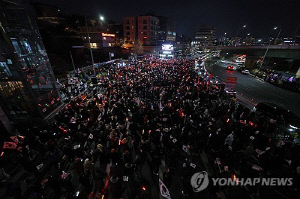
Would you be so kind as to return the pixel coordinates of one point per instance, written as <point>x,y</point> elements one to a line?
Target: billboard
<point>167,47</point>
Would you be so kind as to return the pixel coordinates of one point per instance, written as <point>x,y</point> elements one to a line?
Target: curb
<point>256,77</point>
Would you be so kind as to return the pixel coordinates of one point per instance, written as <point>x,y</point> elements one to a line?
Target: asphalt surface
<point>251,90</point>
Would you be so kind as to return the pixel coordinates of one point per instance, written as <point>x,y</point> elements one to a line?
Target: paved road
<point>251,90</point>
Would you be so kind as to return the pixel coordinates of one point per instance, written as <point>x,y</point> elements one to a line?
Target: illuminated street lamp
<point>275,28</point>
<point>237,32</point>
<point>101,18</point>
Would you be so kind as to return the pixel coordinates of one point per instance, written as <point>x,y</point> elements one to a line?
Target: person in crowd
<point>159,114</point>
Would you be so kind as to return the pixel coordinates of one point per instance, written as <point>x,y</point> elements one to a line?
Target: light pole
<point>277,34</point>
<point>224,38</point>
<point>88,35</point>
<point>237,32</point>
<point>72,61</point>
<point>295,34</point>
<point>269,47</point>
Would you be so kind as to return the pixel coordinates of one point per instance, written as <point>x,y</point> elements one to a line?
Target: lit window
<point>93,45</point>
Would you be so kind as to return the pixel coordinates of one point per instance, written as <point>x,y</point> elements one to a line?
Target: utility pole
<point>268,49</point>
<point>72,61</point>
<point>90,46</point>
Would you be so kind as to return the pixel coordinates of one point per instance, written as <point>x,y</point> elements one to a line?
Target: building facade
<point>130,31</point>
<point>140,30</point>
<point>93,29</point>
<point>167,30</point>
<point>148,27</point>
<point>28,87</point>
<point>204,37</point>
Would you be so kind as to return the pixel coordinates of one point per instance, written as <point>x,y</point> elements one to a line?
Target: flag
<point>161,108</point>
<point>64,175</point>
<point>138,101</point>
<point>164,190</point>
<point>210,76</point>
<point>14,138</point>
<point>39,166</point>
<point>99,117</point>
<point>73,120</point>
<point>9,145</point>
<point>181,114</point>
<point>193,165</point>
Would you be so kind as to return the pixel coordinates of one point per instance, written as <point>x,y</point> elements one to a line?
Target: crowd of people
<point>157,119</point>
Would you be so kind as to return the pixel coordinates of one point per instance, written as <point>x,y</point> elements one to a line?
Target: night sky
<point>226,15</point>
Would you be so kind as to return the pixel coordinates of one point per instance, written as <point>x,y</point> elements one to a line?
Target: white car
<point>230,93</point>
<point>246,72</point>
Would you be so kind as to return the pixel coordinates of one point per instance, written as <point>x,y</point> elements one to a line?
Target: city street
<point>251,90</point>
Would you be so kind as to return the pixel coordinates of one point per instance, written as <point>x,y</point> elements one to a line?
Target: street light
<point>101,18</point>
<point>275,28</point>
<point>244,26</point>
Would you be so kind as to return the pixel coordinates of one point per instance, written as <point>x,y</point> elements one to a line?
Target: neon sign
<point>108,35</point>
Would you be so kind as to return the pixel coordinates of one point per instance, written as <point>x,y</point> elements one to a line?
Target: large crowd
<point>157,119</point>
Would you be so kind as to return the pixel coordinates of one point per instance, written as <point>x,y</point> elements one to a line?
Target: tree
<point>138,48</point>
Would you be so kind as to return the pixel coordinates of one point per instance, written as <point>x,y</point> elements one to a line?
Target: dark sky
<point>226,15</point>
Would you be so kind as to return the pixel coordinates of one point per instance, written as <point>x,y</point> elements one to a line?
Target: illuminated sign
<point>108,35</point>
<point>231,80</point>
<point>167,47</point>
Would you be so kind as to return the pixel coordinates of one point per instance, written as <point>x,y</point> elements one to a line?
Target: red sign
<point>231,80</point>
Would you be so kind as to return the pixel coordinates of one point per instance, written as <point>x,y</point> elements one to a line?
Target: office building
<point>28,87</point>
<point>205,37</point>
<point>167,30</point>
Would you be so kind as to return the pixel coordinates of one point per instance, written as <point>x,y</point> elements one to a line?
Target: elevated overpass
<point>286,52</point>
<point>279,51</point>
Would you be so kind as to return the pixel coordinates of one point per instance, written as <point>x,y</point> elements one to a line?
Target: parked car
<point>245,72</point>
<point>287,121</point>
